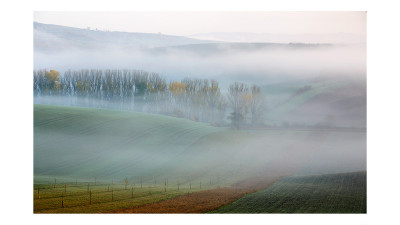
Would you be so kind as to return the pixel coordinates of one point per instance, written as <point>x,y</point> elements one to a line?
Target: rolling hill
<point>80,153</point>
<point>72,142</point>
<point>219,49</point>
<point>326,102</point>
<point>86,143</point>
<point>55,38</point>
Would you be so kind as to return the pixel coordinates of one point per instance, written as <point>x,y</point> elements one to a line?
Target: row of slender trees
<point>196,99</point>
<point>246,100</point>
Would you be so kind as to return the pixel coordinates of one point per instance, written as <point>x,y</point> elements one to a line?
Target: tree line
<point>195,99</point>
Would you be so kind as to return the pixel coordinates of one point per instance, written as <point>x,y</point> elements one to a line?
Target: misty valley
<point>152,123</point>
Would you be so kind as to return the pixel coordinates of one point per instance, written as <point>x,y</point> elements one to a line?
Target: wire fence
<point>57,195</point>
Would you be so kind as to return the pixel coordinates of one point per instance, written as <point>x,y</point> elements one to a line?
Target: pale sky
<point>189,23</point>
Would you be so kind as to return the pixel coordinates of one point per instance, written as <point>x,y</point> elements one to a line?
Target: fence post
<point>62,201</point>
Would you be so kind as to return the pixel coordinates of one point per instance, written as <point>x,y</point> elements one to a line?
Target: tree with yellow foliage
<point>177,88</point>
<point>52,80</point>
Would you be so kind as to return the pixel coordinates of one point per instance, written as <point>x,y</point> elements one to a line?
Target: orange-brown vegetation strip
<point>201,202</point>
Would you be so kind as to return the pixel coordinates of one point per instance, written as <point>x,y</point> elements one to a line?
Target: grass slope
<point>83,143</point>
<point>334,193</point>
<point>282,98</point>
<point>76,147</point>
<point>80,147</point>
<point>75,198</point>
<point>98,142</point>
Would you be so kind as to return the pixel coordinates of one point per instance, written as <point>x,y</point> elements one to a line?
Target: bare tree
<point>257,106</point>
<point>237,93</point>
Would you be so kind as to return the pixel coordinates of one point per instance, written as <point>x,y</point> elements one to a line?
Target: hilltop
<point>54,38</point>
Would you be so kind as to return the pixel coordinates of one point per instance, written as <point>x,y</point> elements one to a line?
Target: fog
<point>318,129</point>
<point>175,150</point>
<point>265,65</point>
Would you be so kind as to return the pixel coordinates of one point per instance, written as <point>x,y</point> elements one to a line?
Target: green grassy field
<point>81,143</point>
<point>76,147</point>
<point>80,146</point>
<point>86,143</point>
<point>335,193</point>
<point>102,197</point>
